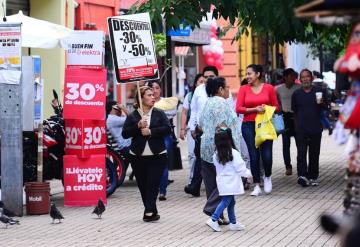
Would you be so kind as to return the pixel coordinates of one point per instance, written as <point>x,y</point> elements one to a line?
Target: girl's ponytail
<point>223,144</point>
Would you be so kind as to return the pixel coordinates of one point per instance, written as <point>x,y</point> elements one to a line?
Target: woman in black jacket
<point>147,128</point>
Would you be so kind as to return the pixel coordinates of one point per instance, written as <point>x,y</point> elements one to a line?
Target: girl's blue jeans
<point>226,202</point>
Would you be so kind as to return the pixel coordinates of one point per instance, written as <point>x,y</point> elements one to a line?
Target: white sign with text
<point>132,47</point>
<point>85,48</point>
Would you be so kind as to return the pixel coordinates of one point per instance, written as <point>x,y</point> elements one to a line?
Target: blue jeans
<point>265,150</point>
<point>164,179</point>
<point>226,202</point>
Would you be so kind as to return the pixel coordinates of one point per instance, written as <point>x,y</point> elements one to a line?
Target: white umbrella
<point>37,33</point>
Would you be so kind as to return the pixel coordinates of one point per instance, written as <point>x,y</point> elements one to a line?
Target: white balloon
<point>219,43</point>
<point>206,48</point>
<point>217,49</point>
<point>213,48</point>
<point>213,41</point>
<point>221,50</point>
<point>213,23</point>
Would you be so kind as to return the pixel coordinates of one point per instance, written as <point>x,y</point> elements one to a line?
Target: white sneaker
<point>213,225</point>
<point>257,191</point>
<point>267,185</point>
<point>236,227</point>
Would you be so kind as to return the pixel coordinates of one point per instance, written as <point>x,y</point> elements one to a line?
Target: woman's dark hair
<point>214,84</point>
<point>197,77</point>
<point>256,68</point>
<point>244,82</point>
<point>223,144</point>
<point>151,83</point>
<point>288,72</point>
<point>143,90</point>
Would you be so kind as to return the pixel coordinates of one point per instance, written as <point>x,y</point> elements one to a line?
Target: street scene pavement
<point>287,217</point>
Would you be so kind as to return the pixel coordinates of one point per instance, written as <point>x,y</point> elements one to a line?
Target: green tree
<point>273,19</point>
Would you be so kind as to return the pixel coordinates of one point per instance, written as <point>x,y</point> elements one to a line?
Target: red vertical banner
<point>85,136</point>
<point>84,93</point>
<point>84,180</point>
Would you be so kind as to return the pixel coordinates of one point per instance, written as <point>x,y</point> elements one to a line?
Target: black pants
<point>196,180</point>
<point>313,143</point>
<point>286,137</point>
<point>148,171</point>
<point>208,173</point>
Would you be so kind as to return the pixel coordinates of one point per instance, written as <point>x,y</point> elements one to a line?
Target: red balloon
<point>216,56</point>
<point>210,61</point>
<point>208,55</point>
<point>213,29</point>
<point>218,63</point>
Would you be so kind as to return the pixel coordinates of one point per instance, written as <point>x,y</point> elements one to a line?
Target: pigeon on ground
<point>6,211</point>
<point>99,209</point>
<point>55,213</point>
<point>7,220</point>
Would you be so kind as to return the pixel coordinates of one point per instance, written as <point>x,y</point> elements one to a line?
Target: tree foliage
<point>273,19</point>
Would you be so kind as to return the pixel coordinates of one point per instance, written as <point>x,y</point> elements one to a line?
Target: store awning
<point>183,51</point>
<point>198,36</point>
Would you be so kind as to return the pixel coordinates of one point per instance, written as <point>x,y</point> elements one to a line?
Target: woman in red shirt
<point>251,100</point>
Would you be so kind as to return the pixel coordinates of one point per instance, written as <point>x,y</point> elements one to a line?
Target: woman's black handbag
<point>177,163</point>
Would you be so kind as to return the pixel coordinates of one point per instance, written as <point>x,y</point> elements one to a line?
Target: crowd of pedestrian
<point>221,138</point>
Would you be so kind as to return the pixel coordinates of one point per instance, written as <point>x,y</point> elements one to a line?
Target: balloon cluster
<point>214,53</point>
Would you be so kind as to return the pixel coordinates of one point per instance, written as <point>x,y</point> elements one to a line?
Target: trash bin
<point>37,198</point>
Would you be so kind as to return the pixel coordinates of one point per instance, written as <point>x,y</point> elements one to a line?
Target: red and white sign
<point>84,93</point>
<point>85,180</point>
<point>85,137</point>
<point>132,47</point>
<point>85,49</point>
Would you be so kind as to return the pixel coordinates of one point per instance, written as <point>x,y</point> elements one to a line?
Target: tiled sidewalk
<point>287,217</point>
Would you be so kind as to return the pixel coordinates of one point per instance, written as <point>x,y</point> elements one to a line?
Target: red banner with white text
<point>84,93</point>
<point>85,136</point>
<point>84,180</point>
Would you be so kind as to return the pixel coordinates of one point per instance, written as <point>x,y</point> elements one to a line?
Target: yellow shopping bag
<point>264,129</point>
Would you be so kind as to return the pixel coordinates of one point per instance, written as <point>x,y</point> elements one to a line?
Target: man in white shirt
<point>284,93</point>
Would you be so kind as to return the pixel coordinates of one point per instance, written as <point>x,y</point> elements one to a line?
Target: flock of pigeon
<point>55,214</point>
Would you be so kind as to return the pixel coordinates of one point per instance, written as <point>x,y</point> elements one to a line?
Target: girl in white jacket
<point>230,167</point>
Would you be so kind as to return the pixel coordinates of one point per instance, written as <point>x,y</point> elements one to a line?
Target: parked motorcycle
<point>120,161</point>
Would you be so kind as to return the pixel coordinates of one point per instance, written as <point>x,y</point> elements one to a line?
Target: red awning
<point>181,50</point>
